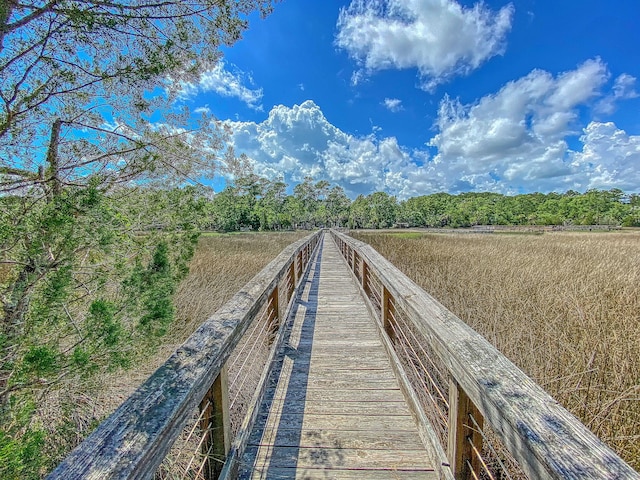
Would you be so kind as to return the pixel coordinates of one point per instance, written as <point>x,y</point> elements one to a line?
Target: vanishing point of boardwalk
<point>333,407</point>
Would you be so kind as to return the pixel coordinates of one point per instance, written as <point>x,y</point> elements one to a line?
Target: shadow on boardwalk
<point>282,427</point>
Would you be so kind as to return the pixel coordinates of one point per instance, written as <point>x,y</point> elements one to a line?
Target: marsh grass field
<point>222,264</point>
<point>564,307</point>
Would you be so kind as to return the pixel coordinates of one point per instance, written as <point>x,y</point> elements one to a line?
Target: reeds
<point>222,264</point>
<point>564,307</point>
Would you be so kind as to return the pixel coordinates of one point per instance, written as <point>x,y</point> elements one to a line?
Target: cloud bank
<point>515,137</point>
<point>227,84</point>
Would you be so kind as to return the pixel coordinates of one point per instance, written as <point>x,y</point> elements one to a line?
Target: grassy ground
<point>564,307</point>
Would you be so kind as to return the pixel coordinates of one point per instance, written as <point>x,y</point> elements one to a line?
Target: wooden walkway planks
<point>333,408</point>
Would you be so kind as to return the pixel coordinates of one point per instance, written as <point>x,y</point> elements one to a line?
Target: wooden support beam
<point>365,278</point>
<point>464,435</point>
<point>386,311</point>
<point>216,426</point>
<point>273,314</point>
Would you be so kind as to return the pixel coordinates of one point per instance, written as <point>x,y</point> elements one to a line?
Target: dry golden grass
<point>564,307</point>
<point>222,264</point>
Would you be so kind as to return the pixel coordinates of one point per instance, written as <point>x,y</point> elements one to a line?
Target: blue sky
<point>414,97</point>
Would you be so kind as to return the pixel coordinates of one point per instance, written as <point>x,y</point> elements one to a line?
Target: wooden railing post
<point>355,262</point>
<point>273,313</point>
<point>298,266</point>
<point>216,426</point>
<point>386,309</point>
<point>291,279</point>
<point>365,279</point>
<point>464,436</point>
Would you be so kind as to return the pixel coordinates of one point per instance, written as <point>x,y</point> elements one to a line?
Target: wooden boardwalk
<point>333,407</point>
<point>329,405</point>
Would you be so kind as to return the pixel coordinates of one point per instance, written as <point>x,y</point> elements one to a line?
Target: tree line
<point>255,203</point>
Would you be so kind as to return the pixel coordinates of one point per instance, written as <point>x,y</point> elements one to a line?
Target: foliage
<point>93,238</point>
<point>21,445</point>
<point>604,207</point>
<point>90,290</point>
<point>260,204</point>
<point>88,71</point>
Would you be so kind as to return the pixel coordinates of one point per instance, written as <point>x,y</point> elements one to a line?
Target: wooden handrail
<point>546,440</point>
<point>133,441</point>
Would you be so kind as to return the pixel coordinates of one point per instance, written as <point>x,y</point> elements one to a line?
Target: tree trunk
<point>52,158</point>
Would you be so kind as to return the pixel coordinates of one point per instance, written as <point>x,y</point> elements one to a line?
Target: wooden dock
<point>333,407</point>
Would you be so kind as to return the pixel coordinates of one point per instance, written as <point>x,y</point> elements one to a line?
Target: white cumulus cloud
<point>517,136</point>
<point>610,158</point>
<point>441,38</point>
<point>299,140</point>
<point>227,84</point>
<point>393,104</point>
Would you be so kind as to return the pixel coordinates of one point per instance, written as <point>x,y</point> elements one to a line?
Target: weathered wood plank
<point>340,458</point>
<point>360,439</point>
<point>334,363</point>
<point>320,371</point>
<point>300,382</point>
<point>324,407</point>
<point>372,361</point>
<point>338,474</point>
<point>340,395</point>
<point>337,421</point>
